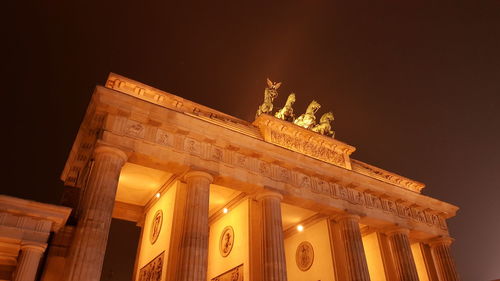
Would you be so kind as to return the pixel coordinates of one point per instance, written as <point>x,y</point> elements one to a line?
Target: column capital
<point>34,246</point>
<point>268,194</point>
<point>441,240</point>
<point>396,230</point>
<point>345,216</point>
<point>106,149</point>
<point>202,174</point>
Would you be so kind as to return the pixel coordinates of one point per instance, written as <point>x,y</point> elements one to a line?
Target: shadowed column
<point>86,253</point>
<point>354,259</point>
<point>28,261</point>
<point>272,239</point>
<point>443,261</point>
<point>194,240</point>
<point>402,255</point>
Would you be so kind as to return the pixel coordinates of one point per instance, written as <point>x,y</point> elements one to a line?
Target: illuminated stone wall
<point>148,251</point>
<point>237,218</point>
<point>374,257</point>
<point>419,262</point>
<point>322,267</point>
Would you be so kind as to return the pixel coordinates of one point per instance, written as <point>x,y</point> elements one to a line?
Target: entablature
<point>266,128</point>
<point>36,216</point>
<point>240,157</point>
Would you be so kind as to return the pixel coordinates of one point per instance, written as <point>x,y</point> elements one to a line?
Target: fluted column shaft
<point>352,243</point>
<point>194,242</point>
<point>402,255</point>
<point>443,261</point>
<point>87,251</point>
<point>28,261</point>
<point>272,238</point>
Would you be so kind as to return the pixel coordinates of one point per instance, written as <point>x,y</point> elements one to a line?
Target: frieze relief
<point>235,274</point>
<point>297,179</point>
<point>193,146</point>
<point>304,141</point>
<point>153,270</point>
<point>164,138</point>
<point>134,129</point>
<point>308,148</point>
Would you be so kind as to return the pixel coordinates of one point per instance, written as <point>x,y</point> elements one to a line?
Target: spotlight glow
<point>300,228</point>
<point>158,195</point>
<point>225,210</point>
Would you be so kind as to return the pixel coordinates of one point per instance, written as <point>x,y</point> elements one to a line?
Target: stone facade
<point>274,184</point>
<point>25,227</point>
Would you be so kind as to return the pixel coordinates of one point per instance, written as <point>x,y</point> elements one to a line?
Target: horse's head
<point>313,107</point>
<point>327,117</point>
<point>291,99</point>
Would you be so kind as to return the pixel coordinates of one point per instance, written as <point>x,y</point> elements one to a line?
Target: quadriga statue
<point>308,120</point>
<point>270,93</point>
<point>286,113</point>
<point>324,127</point>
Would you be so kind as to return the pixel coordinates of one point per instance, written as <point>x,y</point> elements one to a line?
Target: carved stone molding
<point>226,241</point>
<point>443,240</point>
<point>76,168</point>
<point>104,149</point>
<point>153,270</point>
<point>374,172</point>
<point>304,256</point>
<point>156,226</point>
<point>235,274</point>
<point>231,156</point>
<point>34,246</point>
<point>298,139</point>
<point>167,100</point>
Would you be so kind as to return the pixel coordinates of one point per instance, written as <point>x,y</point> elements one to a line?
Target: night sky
<point>415,87</point>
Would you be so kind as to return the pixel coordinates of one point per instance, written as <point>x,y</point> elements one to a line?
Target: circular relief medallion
<point>156,226</point>
<point>226,241</point>
<point>304,256</point>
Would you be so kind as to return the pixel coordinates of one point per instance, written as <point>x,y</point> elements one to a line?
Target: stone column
<point>274,264</point>
<point>401,254</point>
<point>194,240</point>
<point>443,261</point>
<point>356,267</point>
<point>87,250</point>
<point>29,258</point>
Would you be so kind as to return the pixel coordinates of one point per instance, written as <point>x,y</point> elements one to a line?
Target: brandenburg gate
<point>218,198</point>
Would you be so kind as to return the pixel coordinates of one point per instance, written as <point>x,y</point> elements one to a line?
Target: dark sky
<point>415,87</point>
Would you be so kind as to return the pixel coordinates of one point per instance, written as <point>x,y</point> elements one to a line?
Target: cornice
<point>386,176</point>
<point>167,100</point>
<point>58,215</point>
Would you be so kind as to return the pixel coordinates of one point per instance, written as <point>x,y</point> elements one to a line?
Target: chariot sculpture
<point>308,119</point>
<point>286,113</point>
<point>324,127</point>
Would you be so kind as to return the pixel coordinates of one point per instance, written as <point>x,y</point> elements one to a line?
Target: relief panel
<point>153,270</point>
<point>235,274</point>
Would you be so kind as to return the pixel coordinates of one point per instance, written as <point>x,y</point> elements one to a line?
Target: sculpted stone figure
<point>324,127</point>
<point>308,120</point>
<point>286,113</point>
<point>270,93</point>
